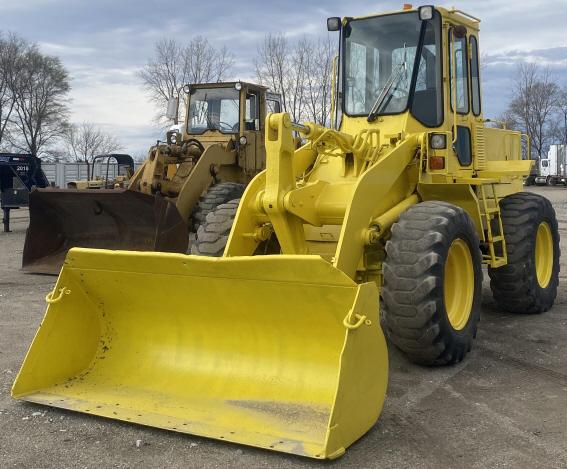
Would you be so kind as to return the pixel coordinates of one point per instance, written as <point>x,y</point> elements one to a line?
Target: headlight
<point>438,141</point>
<point>171,137</point>
<point>238,86</point>
<point>242,140</point>
<point>425,12</point>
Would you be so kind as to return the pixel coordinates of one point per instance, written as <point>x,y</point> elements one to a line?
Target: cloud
<point>104,43</point>
<point>62,49</point>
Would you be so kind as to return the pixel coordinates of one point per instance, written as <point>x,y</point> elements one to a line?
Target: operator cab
<point>411,69</point>
<point>229,109</point>
<point>391,63</point>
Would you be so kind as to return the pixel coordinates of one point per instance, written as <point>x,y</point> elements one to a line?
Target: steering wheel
<point>227,126</point>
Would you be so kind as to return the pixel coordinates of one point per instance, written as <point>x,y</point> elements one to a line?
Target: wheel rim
<point>544,254</point>
<point>458,284</point>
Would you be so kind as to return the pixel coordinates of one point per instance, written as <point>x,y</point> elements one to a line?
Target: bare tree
<point>174,65</point>
<point>297,77</point>
<point>12,48</point>
<point>318,81</point>
<point>300,72</point>
<point>533,103</point>
<point>283,68</point>
<point>86,140</point>
<point>40,93</point>
<point>204,63</point>
<point>165,74</point>
<point>560,127</point>
<point>272,66</point>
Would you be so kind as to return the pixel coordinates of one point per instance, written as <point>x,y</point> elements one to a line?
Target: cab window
<point>272,106</point>
<point>475,78</point>
<point>458,49</point>
<point>427,105</point>
<point>252,114</point>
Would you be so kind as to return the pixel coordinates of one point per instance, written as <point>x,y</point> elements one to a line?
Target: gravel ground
<point>504,406</point>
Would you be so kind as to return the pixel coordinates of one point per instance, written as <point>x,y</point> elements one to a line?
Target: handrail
<point>453,54</point>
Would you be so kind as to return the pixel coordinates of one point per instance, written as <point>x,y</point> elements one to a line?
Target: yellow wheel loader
<point>124,170</point>
<point>278,343</point>
<point>219,150</point>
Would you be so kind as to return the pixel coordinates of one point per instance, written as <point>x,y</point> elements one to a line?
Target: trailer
<point>553,169</point>
<point>18,174</point>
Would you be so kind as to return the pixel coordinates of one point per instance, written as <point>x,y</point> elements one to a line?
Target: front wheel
<point>216,195</point>
<point>213,233</point>
<point>528,282</point>
<point>432,283</point>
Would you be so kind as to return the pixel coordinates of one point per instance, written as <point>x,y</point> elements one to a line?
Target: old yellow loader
<point>278,343</point>
<point>218,151</point>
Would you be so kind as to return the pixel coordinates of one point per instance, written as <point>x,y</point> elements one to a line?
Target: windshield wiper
<point>394,78</point>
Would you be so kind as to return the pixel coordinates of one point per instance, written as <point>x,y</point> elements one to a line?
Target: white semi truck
<point>553,169</point>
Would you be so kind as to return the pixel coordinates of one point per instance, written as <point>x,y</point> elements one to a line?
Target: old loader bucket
<point>61,219</point>
<point>279,352</point>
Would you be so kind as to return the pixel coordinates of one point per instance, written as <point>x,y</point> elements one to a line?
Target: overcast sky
<point>104,42</point>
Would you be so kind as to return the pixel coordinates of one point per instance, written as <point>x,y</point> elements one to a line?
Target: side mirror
<point>459,31</point>
<point>172,108</point>
<point>333,23</point>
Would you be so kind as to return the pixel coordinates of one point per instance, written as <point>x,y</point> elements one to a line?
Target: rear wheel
<point>212,235</point>
<point>432,283</point>
<point>528,283</point>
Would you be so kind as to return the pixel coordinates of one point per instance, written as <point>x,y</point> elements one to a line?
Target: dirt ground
<point>504,406</point>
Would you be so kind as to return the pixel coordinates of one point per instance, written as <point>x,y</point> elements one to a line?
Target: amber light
<point>408,6</point>
<point>436,162</point>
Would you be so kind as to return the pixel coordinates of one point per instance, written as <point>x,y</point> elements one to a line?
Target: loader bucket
<point>107,218</point>
<point>280,352</point>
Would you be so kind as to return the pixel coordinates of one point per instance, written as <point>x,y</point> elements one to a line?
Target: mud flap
<point>280,352</point>
<point>61,219</point>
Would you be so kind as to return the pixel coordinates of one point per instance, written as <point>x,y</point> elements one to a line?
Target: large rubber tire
<point>213,233</point>
<point>415,283</point>
<point>217,194</point>
<point>515,286</point>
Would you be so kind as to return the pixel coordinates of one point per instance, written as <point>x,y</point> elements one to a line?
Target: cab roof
<point>452,14</point>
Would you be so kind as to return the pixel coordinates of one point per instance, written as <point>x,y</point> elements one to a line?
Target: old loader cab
<point>221,116</point>
<point>232,114</point>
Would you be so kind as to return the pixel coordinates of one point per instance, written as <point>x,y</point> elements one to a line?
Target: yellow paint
<point>269,363</point>
<point>458,284</point>
<point>544,254</point>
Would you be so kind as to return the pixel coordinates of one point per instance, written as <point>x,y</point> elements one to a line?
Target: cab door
<point>458,52</point>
